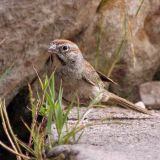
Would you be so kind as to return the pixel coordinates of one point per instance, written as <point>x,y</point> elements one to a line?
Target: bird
<point>78,78</point>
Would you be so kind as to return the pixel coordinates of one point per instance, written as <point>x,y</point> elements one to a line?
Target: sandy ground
<point>128,134</point>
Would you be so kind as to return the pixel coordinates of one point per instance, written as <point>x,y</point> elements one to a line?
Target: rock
<point>139,58</point>
<point>140,104</point>
<point>27,30</point>
<point>117,133</point>
<point>96,26</point>
<point>83,152</point>
<point>134,139</point>
<point>150,94</point>
<point>26,39</point>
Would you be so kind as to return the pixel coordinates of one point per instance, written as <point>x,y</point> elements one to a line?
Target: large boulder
<point>100,28</point>
<point>119,26</point>
<point>26,30</point>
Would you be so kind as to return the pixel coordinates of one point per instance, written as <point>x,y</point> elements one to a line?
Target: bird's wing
<point>91,76</point>
<point>105,78</point>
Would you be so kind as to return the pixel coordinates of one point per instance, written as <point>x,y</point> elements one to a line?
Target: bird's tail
<point>112,98</point>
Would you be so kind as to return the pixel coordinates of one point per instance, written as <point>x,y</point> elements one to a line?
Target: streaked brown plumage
<point>80,79</point>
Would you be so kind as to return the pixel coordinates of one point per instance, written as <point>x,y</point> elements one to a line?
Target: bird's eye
<point>65,48</point>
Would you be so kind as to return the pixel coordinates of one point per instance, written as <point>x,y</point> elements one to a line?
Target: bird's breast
<point>76,87</point>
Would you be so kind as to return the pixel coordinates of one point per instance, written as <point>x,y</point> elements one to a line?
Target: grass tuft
<point>41,133</point>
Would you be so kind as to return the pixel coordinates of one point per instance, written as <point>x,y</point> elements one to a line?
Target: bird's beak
<point>52,48</point>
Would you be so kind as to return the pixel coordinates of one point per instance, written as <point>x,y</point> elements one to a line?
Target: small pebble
<point>140,104</point>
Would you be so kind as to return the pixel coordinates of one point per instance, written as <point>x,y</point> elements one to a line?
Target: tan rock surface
<point>26,29</point>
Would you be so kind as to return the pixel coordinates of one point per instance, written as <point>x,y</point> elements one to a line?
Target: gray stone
<point>122,132</point>
<point>83,152</point>
<point>140,104</point>
<point>150,94</point>
<point>26,31</point>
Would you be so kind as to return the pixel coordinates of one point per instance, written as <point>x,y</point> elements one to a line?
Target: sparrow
<point>79,79</point>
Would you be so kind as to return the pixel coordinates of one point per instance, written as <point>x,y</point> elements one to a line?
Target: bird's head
<point>66,51</point>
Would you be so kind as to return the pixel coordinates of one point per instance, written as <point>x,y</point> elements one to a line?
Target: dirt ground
<point>127,134</point>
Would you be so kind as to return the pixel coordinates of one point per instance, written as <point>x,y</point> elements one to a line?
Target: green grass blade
<point>140,6</point>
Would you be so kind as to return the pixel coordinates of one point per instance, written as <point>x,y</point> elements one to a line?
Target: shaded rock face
<point>27,28</point>
<point>83,152</point>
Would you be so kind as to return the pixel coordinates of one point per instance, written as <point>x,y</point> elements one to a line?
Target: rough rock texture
<point>120,134</point>
<point>150,94</point>
<point>26,30</point>
<point>139,56</point>
<point>97,26</point>
<point>83,152</point>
